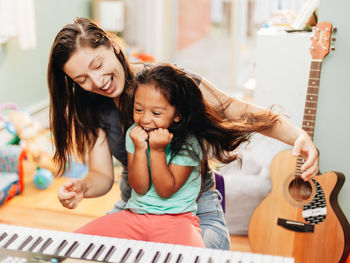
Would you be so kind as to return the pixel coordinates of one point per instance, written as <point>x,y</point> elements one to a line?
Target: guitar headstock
<point>321,40</point>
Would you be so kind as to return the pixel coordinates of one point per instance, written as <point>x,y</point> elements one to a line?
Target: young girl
<point>168,150</point>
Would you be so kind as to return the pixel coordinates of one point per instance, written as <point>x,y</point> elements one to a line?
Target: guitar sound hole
<point>299,189</point>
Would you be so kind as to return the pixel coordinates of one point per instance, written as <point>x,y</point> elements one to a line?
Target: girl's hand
<point>304,146</point>
<point>139,137</point>
<point>159,139</point>
<point>71,193</point>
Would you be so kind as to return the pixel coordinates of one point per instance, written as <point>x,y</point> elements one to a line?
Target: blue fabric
<point>184,200</point>
<point>212,221</point>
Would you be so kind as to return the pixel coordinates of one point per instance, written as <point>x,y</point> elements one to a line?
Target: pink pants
<point>182,229</point>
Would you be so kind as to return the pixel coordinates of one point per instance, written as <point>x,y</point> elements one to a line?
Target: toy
<point>43,178</point>
<point>11,172</point>
<point>34,139</point>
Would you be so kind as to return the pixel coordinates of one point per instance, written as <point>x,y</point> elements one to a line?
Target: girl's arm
<point>138,174</point>
<point>167,180</point>
<point>283,131</point>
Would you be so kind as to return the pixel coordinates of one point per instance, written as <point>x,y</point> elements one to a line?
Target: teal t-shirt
<point>184,200</point>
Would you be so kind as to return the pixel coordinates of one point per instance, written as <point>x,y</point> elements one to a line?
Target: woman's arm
<point>100,177</point>
<point>283,131</point>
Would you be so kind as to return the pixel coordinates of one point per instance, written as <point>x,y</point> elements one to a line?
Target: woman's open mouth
<point>108,87</point>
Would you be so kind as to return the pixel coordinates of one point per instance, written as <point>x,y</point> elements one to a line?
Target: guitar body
<point>329,240</point>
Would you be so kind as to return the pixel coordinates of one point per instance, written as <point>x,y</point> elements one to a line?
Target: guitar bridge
<point>295,225</point>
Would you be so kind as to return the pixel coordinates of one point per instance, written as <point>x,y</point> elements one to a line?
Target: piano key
<point>115,250</point>
<point>228,256</point>
<point>84,242</point>
<point>11,239</point>
<point>165,252</point>
<point>121,245</point>
<point>109,248</point>
<point>9,235</point>
<point>135,255</point>
<point>150,249</point>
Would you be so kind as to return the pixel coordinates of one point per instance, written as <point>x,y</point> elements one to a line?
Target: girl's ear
<point>177,118</point>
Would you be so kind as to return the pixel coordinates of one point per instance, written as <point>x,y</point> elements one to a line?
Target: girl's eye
<point>99,66</point>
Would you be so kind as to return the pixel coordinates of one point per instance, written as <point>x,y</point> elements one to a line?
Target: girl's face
<point>151,109</point>
<point>96,70</point>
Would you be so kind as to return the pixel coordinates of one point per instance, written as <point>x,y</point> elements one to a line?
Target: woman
<point>90,81</point>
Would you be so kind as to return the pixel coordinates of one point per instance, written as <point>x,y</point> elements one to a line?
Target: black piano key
<point>126,255</point>
<point>3,235</point>
<point>138,256</point>
<point>197,259</point>
<point>13,238</point>
<point>98,252</point>
<point>61,246</point>
<point>25,242</point>
<point>45,245</point>
<point>35,244</point>
<point>167,258</point>
<point>179,258</point>
<point>109,254</point>
<point>71,249</point>
<point>87,251</point>
<point>156,257</point>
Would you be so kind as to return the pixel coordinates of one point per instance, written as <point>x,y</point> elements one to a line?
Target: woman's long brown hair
<point>75,114</point>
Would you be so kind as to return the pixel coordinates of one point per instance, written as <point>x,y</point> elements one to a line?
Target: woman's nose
<point>97,80</point>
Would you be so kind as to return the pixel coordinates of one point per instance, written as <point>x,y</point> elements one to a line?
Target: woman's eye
<point>156,113</point>
<point>82,81</point>
<point>99,66</point>
<point>138,110</point>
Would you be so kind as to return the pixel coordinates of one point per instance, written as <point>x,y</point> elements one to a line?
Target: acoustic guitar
<point>303,219</point>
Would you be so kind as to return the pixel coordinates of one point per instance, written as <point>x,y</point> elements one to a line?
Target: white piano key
<point>10,232</point>
<point>177,251</point>
<point>121,245</point>
<point>196,255</point>
<point>267,259</point>
<point>71,239</point>
<point>186,254</point>
<point>215,255</point>
<point>84,241</point>
<point>136,246</point>
<point>150,249</point>
<point>164,250</point>
<point>257,258</point>
<point>108,243</point>
<point>277,259</point>
<point>231,257</point>
<point>57,238</point>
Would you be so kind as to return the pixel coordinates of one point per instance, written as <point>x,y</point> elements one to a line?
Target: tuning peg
<point>335,29</point>
<point>332,48</point>
<point>334,39</point>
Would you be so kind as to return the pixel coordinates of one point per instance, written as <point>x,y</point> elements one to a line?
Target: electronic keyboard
<point>24,244</point>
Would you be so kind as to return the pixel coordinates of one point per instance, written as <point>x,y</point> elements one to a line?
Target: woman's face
<point>96,70</point>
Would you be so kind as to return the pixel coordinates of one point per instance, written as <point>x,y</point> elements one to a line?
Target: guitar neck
<point>311,98</point>
<point>310,105</point>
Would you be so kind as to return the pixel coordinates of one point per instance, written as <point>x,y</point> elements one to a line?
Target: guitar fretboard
<point>310,105</point>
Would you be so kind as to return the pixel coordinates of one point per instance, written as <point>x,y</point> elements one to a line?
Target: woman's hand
<point>71,193</point>
<point>159,139</point>
<point>304,146</point>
